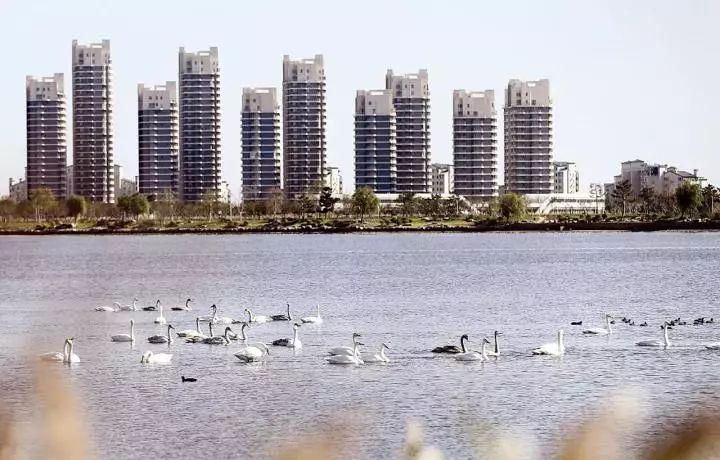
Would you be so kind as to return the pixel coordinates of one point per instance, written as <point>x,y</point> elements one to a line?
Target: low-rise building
<point>18,190</point>
<point>663,179</point>
<point>567,177</point>
<point>333,179</point>
<point>442,179</point>
<point>564,203</point>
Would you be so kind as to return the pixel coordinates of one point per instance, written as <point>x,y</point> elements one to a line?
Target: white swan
<point>287,317</point>
<point>70,357</point>
<point>377,357</point>
<point>496,351</point>
<point>55,355</point>
<point>601,330</point>
<point>348,351</point>
<point>292,343</point>
<point>192,332</point>
<point>185,308</point>
<point>657,343</point>
<point>132,307</point>
<point>160,319</point>
<point>218,340</point>
<point>115,307</point>
<point>162,338</point>
<point>347,359</point>
<point>252,353</point>
<point>125,337</point>
<point>313,319</point>
<point>552,348</point>
<point>215,318</point>
<point>256,319</point>
<point>156,358</point>
<point>471,355</point>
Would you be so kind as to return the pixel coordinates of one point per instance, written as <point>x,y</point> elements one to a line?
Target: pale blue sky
<point>628,79</point>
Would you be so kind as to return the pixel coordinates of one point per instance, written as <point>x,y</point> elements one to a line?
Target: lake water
<point>412,291</point>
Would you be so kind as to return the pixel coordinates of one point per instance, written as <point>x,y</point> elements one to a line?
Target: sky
<point>628,79</point>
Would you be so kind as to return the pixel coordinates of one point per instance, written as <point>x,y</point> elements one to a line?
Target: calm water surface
<point>413,291</point>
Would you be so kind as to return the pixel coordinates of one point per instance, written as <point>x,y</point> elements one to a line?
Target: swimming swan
<point>162,338</point>
<point>601,330</point>
<point>132,307</point>
<point>218,340</point>
<point>256,319</point>
<point>125,337</point>
<point>657,343</point>
<point>192,332</point>
<point>185,308</point>
<point>160,319</point>
<point>156,358</point>
<point>253,353</point>
<point>471,355</point>
<point>115,307</point>
<point>347,359</point>
<point>377,357</point>
<point>552,348</point>
<point>349,351</point>
<point>496,351</point>
<point>153,308</point>
<point>317,319</point>
<point>70,357</point>
<point>287,317</point>
<point>292,343</point>
<point>55,355</point>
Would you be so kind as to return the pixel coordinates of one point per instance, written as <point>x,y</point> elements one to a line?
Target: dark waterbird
<point>187,379</point>
<point>576,323</point>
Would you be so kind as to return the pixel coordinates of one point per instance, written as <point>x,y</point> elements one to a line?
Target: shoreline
<point>497,228</point>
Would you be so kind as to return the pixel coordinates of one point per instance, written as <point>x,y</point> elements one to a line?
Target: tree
<point>124,204</point>
<point>139,205</point>
<point>327,202</point>
<point>647,197</point>
<point>512,206</point>
<point>165,204</point>
<point>408,203</point>
<point>364,202</point>
<point>710,195</point>
<point>210,202</point>
<point>688,197</point>
<point>42,200</point>
<point>7,208</point>
<point>76,206</point>
<point>622,193</point>
<point>305,205</point>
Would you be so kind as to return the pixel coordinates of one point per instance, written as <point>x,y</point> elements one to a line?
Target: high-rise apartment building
<point>375,141</point>
<point>45,134</point>
<point>92,121</point>
<point>443,179</point>
<point>528,138</point>
<point>260,144</point>
<point>411,100</point>
<point>475,144</point>
<point>304,144</point>
<point>158,140</point>
<point>199,159</point>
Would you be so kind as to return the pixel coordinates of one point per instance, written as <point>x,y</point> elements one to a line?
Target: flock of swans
<point>348,355</point>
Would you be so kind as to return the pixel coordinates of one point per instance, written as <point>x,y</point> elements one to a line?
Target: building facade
<point>411,100</point>
<point>92,121</point>
<point>199,124</point>
<point>158,147</point>
<point>443,179</point>
<point>333,179</point>
<point>260,144</point>
<point>45,134</point>
<point>18,190</point>
<point>567,177</point>
<point>70,180</point>
<point>528,138</point>
<point>304,118</point>
<point>375,141</point>
<point>475,144</point>
<point>662,179</point>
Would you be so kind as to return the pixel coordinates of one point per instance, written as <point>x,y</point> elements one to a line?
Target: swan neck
<point>483,350</point>
<point>665,336</point>
<point>132,331</point>
<point>462,344</point>
<point>497,349</point>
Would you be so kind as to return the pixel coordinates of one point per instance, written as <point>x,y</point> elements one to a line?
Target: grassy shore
<point>313,225</point>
